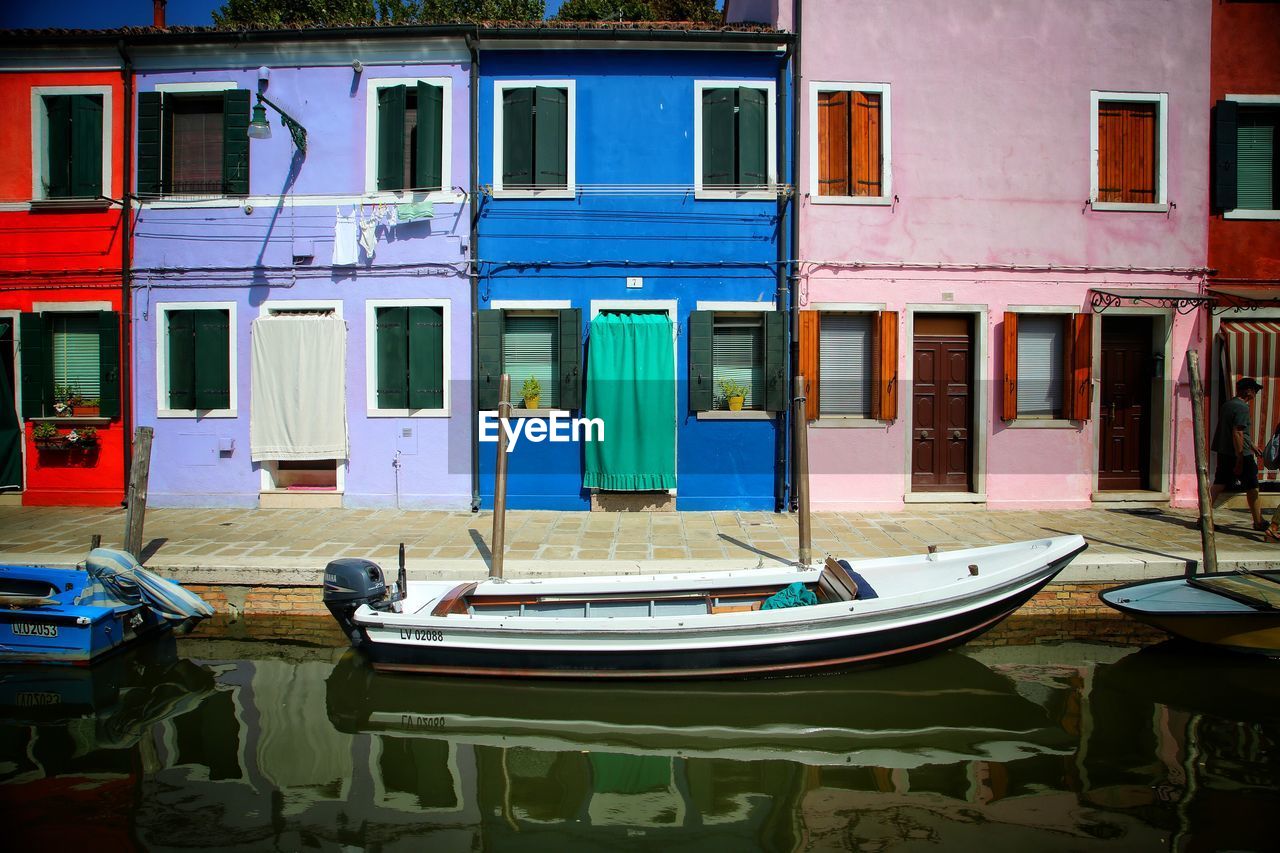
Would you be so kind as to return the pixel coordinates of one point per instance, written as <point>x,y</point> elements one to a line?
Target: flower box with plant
<point>65,400</point>
<point>85,437</point>
<point>531,390</point>
<point>735,394</point>
<point>46,435</point>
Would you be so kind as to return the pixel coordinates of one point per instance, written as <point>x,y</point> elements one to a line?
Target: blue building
<point>632,225</point>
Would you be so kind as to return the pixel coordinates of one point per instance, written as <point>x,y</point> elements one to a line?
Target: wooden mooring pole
<point>497,544</point>
<point>801,431</point>
<point>139,473</point>
<point>1200,437</point>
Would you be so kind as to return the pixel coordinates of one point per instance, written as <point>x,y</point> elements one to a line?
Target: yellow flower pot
<point>532,402</point>
<point>735,404</point>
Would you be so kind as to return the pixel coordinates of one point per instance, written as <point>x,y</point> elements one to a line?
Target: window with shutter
<point>1041,343</point>
<point>736,142</point>
<point>1129,157</point>
<point>406,358</point>
<point>197,359</point>
<point>74,349</point>
<point>851,150</point>
<point>193,156</point>
<point>737,356</point>
<point>845,364</point>
<point>72,153</point>
<point>1256,158</point>
<point>535,151</point>
<point>531,348</point>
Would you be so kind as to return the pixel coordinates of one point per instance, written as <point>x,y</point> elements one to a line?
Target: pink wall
<point>990,115</point>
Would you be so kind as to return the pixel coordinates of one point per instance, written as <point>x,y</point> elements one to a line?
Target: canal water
<point>1035,739</point>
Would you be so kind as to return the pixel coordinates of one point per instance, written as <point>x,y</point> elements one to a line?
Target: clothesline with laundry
<point>358,230</point>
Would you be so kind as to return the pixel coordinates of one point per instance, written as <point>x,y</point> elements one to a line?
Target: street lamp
<point>260,128</point>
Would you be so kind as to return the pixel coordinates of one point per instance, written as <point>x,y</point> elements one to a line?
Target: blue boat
<point>76,616</point>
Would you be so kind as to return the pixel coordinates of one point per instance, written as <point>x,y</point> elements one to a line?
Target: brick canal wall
<point>1075,600</point>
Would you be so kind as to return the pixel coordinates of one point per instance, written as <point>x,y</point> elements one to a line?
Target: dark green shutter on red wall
<point>86,146</point>
<point>58,167</point>
<point>34,347</point>
<point>430,136</point>
<point>426,357</point>
<point>235,141</point>
<point>391,107</point>
<point>109,364</point>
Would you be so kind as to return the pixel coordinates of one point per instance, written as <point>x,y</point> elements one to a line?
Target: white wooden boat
<point>691,625</point>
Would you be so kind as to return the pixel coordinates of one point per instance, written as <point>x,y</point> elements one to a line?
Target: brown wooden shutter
<point>1009,402</point>
<point>810,332</point>
<point>833,143</point>
<point>865,144</point>
<point>1127,155</point>
<point>1078,362</point>
<point>886,343</point>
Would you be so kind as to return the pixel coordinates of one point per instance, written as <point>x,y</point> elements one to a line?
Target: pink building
<point>1002,252</point>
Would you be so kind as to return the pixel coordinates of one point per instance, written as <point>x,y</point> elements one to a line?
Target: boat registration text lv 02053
<point>421,635</point>
<point>34,629</point>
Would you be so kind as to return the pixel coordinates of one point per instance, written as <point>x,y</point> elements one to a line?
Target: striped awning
<point>1252,348</point>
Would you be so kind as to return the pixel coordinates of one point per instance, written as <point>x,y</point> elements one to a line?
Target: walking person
<point>1237,457</point>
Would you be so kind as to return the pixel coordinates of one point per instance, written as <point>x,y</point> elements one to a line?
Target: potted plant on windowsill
<point>532,392</point>
<point>46,435</point>
<point>65,400</point>
<point>88,409</point>
<point>735,394</point>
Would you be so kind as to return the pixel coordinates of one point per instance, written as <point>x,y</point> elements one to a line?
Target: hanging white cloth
<point>298,400</point>
<point>345,251</point>
<point>368,235</point>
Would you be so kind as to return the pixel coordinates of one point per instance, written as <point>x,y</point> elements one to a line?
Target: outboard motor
<point>349,583</point>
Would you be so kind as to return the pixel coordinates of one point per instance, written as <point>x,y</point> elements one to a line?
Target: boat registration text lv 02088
<point>421,635</point>
<point>34,629</point>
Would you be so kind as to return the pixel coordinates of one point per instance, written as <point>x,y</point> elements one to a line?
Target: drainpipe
<point>474,50</point>
<point>793,276</point>
<point>780,483</point>
<point>126,261</point>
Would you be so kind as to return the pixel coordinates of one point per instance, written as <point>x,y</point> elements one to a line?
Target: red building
<point>63,244</point>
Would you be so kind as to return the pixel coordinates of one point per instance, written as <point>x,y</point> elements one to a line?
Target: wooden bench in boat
<point>835,584</point>
<point>458,601</point>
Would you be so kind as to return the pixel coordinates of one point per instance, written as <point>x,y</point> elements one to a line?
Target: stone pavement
<point>290,546</point>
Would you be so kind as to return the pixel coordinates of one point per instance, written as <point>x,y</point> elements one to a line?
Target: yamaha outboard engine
<point>349,583</point>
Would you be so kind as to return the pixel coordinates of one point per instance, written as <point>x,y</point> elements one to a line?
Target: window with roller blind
<point>1130,141</point>
<point>734,139</point>
<point>534,128</point>
<point>737,356</point>
<point>69,352</point>
<point>1047,366</point>
<point>850,147</point>
<point>1041,341</point>
<point>1246,148</point>
<point>75,355</point>
<point>849,361</point>
<point>530,349</point>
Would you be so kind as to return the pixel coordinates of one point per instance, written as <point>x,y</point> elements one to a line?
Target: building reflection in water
<point>291,748</point>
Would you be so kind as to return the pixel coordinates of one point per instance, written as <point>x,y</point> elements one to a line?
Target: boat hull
<point>1177,608</point>
<point>829,643</point>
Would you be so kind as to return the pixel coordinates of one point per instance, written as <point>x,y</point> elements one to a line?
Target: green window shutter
<point>1224,154</point>
<point>571,358</point>
<point>426,357</point>
<point>1256,158</point>
<point>235,142</point>
<point>213,359</point>
<point>86,146</point>
<point>391,107</point>
<point>517,138</point>
<point>776,327</point>
<point>149,142</point>
<point>392,357</point>
<point>108,323</point>
<point>182,359</point>
<point>718,107</point>
<point>430,136</point>
<point>753,137</point>
<point>531,348</point>
<point>58,153</point>
<point>701,369</point>
<point>489,357</point>
<point>737,355</point>
<point>37,376</point>
<point>551,133</point>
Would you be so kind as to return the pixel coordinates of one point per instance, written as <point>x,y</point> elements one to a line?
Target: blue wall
<point>634,125</point>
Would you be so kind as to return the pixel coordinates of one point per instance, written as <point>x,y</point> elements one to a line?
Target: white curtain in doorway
<point>298,408</point>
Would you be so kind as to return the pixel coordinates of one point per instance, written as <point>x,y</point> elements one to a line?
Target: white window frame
<point>40,136</point>
<point>1039,421</point>
<point>1161,100</point>
<point>372,193</point>
<point>162,360</point>
<point>1253,101</point>
<point>571,168</point>
<point>886,143</point>
<point>267,468</point>
<point>770,191</point>
<point>371,357</point>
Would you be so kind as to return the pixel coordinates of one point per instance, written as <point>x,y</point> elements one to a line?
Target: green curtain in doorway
<point>10,431</point>
<point>631,388</point>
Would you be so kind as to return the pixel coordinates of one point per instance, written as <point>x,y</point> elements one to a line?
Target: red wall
<point>1245,61</point>
<point>61,256</point>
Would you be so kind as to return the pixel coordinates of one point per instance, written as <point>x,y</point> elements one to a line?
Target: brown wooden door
<point>942,404</point>
<point>1124,419</point>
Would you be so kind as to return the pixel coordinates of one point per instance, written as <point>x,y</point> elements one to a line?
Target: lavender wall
<point>243,252</point>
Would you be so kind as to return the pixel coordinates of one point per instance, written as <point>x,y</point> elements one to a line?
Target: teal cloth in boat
<point>631,388</point>
<point>415,211</point>
<point>796,595</point>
